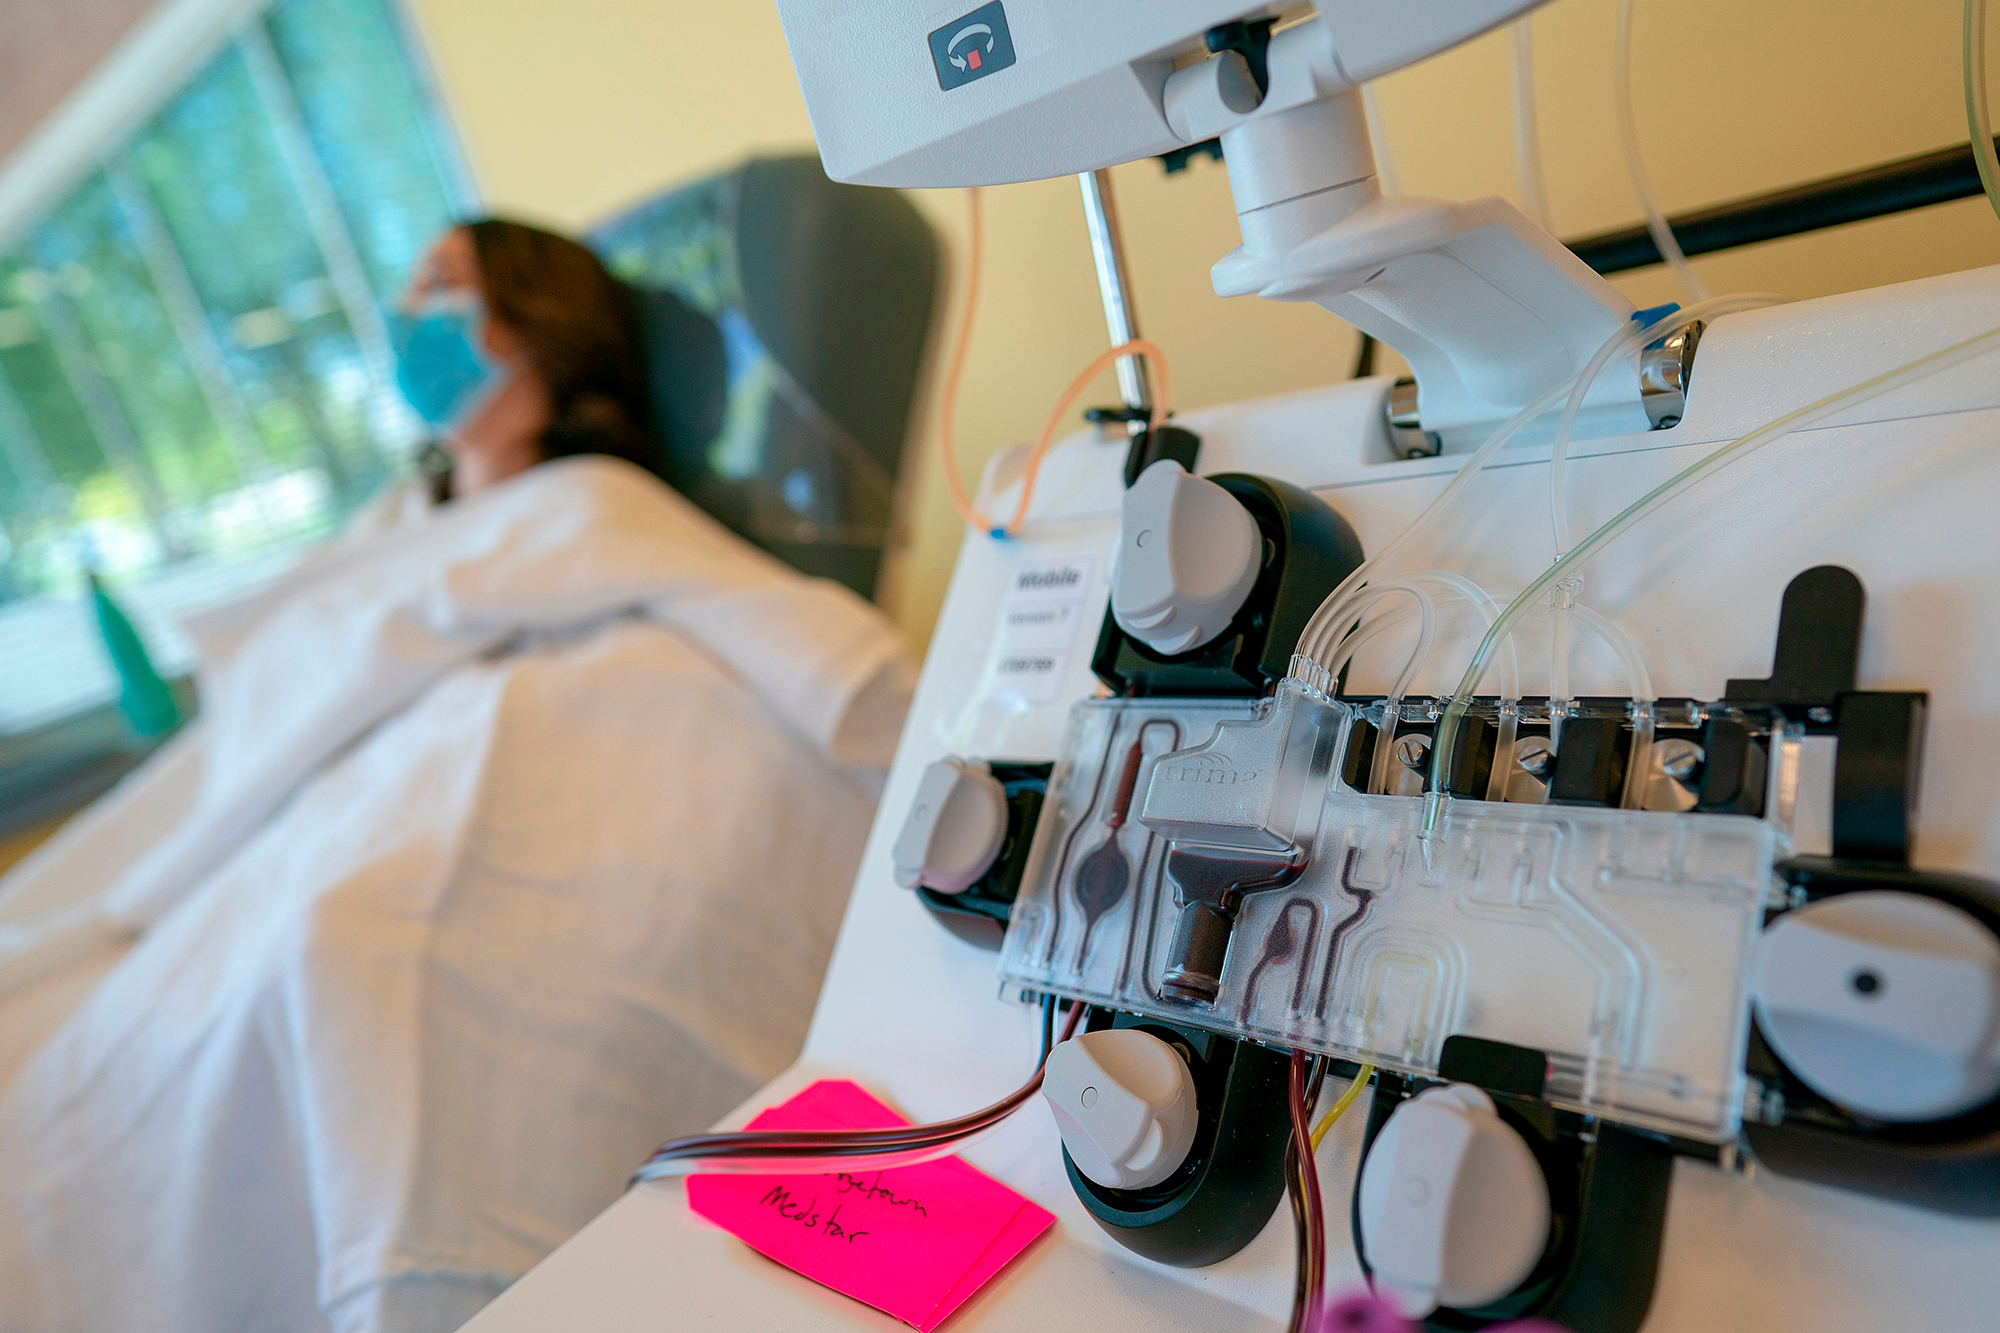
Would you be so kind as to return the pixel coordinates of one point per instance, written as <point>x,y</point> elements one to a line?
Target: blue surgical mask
<point>442,366</point>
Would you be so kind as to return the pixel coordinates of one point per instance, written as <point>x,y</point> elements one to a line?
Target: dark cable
<point>1364,359</point>
<point>1314,1258</point>
<point>1315,1082</point>
<point>1295,1191</point>
<point>776,1145</point>
<point>1311,1263</point>
<point>1891,187</point>
<point>1048,1029</point>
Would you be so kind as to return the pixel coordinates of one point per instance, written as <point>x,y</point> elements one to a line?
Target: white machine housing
<point>1086,88</point>
<point>1898,489</point>
<point>1488,309</point>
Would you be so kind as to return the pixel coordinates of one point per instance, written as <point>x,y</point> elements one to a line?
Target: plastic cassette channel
<point>1615,941</point>
<point>1068,933</point>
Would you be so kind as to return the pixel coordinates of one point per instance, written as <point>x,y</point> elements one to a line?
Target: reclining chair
<point>786,319</point>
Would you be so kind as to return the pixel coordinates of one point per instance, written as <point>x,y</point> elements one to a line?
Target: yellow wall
<point>571,108</point>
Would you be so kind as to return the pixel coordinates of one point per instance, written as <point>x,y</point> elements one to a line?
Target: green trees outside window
<point>195,379</point>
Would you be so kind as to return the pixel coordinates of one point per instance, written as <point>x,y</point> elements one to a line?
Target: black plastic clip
<point>1879,734</point>
<point>1251,39</point>
<point>1876,766</point>
<point>1176,160</point>
<point>979,915</point>
<point>1149,447</point>
<point>1818,650</point>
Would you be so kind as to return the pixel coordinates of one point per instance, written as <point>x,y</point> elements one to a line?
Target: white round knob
<point>1125,1103</point>
<point>1885,1003</point>
<point>1188,554</point>
<point>954,829</point>
<point>1454,1209</point>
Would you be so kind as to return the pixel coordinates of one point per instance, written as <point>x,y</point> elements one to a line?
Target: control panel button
<point>1884,1003</point>
<point>954,829</point>
<point>1188,555</point>
<point>1454,1210</point>
<point>1125,1103</point>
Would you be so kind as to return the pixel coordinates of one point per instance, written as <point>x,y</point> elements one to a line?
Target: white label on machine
<point>1039,620</point>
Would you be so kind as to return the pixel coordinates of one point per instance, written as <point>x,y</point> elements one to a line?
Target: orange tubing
<point>946,447</point>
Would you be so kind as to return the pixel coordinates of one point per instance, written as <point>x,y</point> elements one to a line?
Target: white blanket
<point>519,843</point>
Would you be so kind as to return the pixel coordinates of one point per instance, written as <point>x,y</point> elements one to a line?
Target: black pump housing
<point>1948,1166</point>
<point>1308,550</point>
<point>979,915</point>
<point>1608,1192</point>
<point>1226,1191</point>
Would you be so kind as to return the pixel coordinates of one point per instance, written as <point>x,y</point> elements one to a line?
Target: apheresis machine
<point>1579,761</point>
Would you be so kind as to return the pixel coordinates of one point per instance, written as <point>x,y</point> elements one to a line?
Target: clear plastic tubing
<point>1639,764</point>
<point>1638,769</point>
<point>1639,681</point>
<point>1489,610</point>
<point>1628,133</point>
<point>1426,633</point>
<point>1362,602</point>
<point>1529,178</point>
<point>1482,601</point>
<point>1561,602</point>
<point>1321,630</point>
<point>1978,112</point>
<point>1565,600</point>
<point>1587,550</point>
<point>1419,653</point>
<point>1664,327</point>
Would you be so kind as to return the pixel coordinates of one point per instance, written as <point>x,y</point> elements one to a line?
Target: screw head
<point>1412,750</point>
<point>1534,756</point>
<point>1678,758</point>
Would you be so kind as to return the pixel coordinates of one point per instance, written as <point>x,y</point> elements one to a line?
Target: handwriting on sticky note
<point>874,1189</point>
<point>806,1213</point>
<point>915,1241</point>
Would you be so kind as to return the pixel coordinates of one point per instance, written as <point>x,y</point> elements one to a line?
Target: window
<point>195,376</point>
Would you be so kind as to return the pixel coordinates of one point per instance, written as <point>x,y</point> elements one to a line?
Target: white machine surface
<point>1901,490</point>
<point>1487,308</point>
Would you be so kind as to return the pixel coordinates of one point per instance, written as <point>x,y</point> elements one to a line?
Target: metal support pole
<point>1100,214</point>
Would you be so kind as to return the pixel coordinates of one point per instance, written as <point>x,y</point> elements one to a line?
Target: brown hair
<point>581,328</point>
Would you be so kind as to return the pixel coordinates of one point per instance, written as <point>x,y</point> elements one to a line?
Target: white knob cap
<point>1125,1103</point>
<point>1188,553</point>
<point>1885,1003</point>
<point>955,827</point>
<point>1454,1209</point>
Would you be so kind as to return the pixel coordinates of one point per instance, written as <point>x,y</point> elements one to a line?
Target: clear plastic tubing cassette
<point>1200,861</point>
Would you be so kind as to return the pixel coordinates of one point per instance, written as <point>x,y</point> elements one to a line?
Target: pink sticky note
<point>1020,1232</point>
<point>915,1241</point>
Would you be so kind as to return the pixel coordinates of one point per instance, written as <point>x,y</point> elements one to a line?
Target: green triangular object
<point>143,697</point>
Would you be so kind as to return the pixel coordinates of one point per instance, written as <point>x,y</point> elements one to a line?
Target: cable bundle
<point>806,1151</point>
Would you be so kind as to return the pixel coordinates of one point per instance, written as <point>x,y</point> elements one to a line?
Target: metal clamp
<point>1665,370</point>
<point>1406,434</point>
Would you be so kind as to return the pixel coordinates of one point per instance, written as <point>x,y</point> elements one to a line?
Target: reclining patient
<point>512,840</point>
